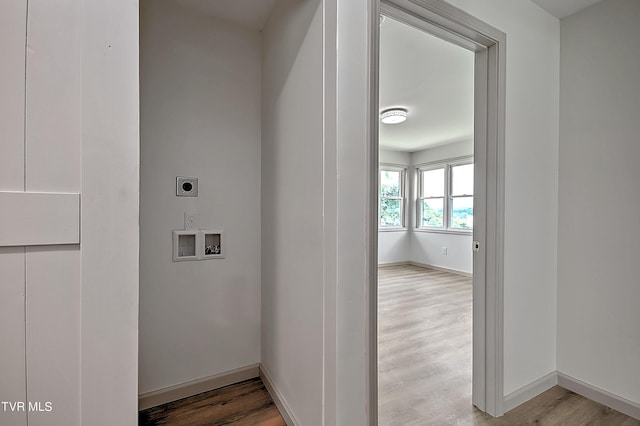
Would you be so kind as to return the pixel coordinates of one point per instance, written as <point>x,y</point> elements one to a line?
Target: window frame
<point>447,165</point>
<point>403,196</point>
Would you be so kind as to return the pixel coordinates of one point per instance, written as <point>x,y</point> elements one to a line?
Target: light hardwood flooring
<point>424,359</point>
<point>244,404</point>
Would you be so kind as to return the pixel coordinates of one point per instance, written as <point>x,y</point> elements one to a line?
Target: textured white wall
<point>200,116</point>
<point>292,206</point>
<point>599,238</point>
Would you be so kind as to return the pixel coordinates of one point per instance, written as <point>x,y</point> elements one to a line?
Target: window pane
<point>462,180</point>
<point>390,212</point>
<point>462,213</point>
<point>432,212</point>
<point>389,183</point>
<point>433,183</point>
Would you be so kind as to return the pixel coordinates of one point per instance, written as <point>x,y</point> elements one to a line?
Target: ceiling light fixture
<point>393,115</point>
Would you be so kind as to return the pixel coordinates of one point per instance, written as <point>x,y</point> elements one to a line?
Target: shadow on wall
<point>285,45</point>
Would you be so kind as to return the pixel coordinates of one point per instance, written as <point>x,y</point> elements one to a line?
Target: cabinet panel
<point>12,95</point>
<point>53,333</point>
<point>12,338</point>
<point>39,219</point>
<point>53,112</point>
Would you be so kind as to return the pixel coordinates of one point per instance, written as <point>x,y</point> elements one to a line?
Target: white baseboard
<point>184,390</point>
<point>278,399</point>
<point>425,265</point>
<point>530,391</point>
<point>596,394</point>
<point>388,264</point>
<point>440,268</point>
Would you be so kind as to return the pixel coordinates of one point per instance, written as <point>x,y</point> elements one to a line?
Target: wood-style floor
<point>424,360</point>
<point>244,404</point>
<point>424,369</point>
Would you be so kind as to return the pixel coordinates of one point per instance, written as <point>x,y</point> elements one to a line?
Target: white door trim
<point>489,44</point>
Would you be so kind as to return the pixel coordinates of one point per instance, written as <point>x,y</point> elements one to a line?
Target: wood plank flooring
<point>424,359</point>
<point>244,404</point>
<point>424,367</point>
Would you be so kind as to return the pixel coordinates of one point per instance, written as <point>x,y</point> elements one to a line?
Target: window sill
<point>392,229</point>
<point>444,231</point>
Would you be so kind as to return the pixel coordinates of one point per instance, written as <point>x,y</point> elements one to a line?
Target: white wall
<point>531,182</point>
<point>599,237</point>
<point>394,246</point>
<point>426,247</point>
<point>292,206</point>
<point>354,159</point>
<point>200,116</point>
<point>442,152</point>
<point>394,157</point>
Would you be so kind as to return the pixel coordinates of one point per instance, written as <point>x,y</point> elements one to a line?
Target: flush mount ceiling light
<point>393,115</point>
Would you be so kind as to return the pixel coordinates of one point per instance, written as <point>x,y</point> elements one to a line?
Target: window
<point>445,196</point>
<point>391,200</point>
<point>461,195</point>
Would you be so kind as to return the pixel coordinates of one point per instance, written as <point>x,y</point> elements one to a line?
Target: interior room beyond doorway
<point>425,227</point>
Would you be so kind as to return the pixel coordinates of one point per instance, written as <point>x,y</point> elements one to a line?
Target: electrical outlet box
<point>185,245</point>
<point>186,186</point>
<point>213,244</point>
<point>197,244</point>
<point>190,221</point>
<point>444,251</point>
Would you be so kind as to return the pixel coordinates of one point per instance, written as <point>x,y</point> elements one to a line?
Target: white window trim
<point>445,164</point>
<point>403,196</point>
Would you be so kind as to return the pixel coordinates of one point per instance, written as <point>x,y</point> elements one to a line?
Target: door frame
<point>489,45</point>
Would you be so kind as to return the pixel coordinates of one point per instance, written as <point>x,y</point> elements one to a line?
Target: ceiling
<point>433,80</point>
<point>563,8</point>
<point>253,14</point>
<point>248,13</point>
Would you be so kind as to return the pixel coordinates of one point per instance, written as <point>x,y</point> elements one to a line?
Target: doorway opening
<point>437,202</point>
<point>425,226</point>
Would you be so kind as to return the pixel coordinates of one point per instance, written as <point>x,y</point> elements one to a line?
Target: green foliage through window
<point>390,212</point>
<point>450,182</point>
<point>391,198</point>
<point>433,212</point>
<point>389,183</point>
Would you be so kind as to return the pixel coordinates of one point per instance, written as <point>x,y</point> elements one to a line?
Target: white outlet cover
<point>190,221</point>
